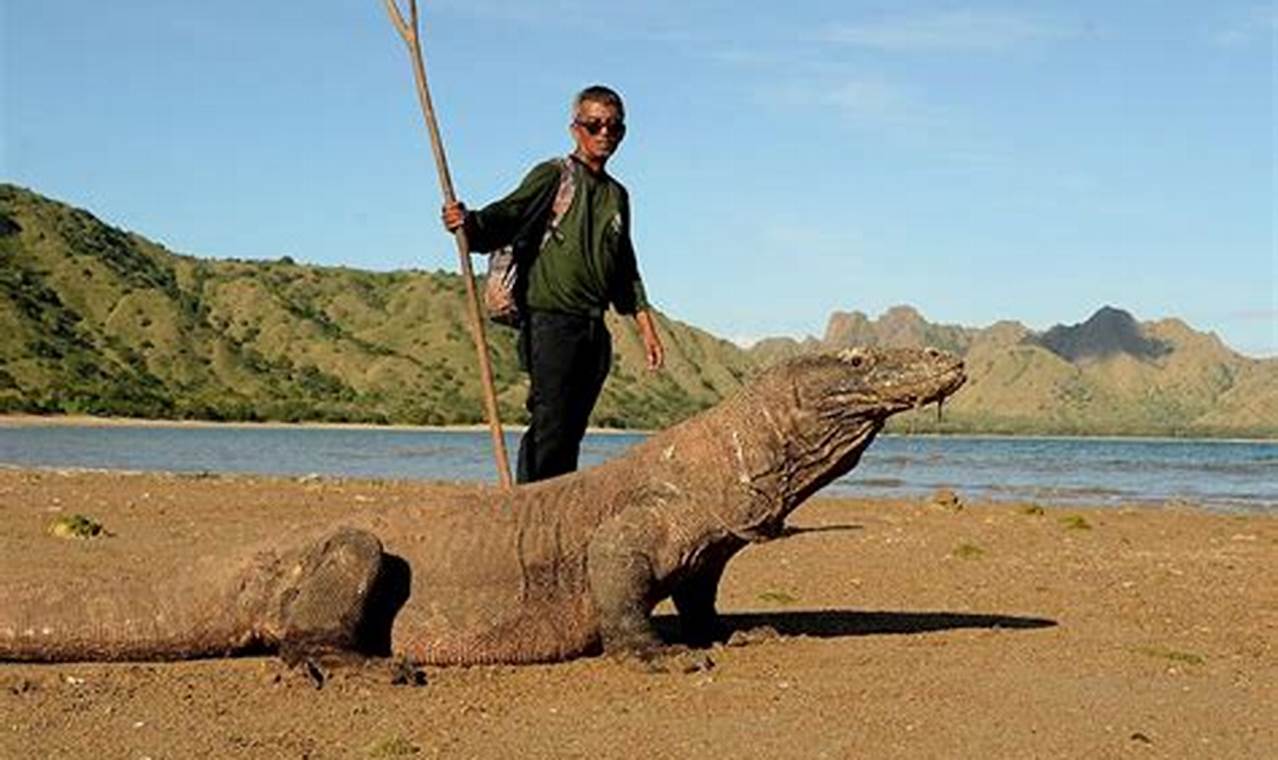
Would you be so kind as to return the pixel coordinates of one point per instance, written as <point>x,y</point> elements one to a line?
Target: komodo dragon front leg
<point>624,580</point>
<point>694,596</point>
<point>636,559</point>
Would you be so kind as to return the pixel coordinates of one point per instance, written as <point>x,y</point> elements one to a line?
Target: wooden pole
<point>408,31</point>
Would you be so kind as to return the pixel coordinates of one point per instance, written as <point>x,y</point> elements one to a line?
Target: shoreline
<point>19,421</point>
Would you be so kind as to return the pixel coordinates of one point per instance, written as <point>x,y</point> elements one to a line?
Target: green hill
<point>97,320</point>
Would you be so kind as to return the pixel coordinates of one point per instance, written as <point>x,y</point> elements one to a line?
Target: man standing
<point>571,274</point>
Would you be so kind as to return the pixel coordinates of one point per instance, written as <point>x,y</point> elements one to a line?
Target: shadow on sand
<point>392,588</point>
<point>789,530</point>
<point>389,593</point>
<point>835,623</point>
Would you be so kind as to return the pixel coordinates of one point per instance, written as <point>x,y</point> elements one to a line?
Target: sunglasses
<point>595,126</point>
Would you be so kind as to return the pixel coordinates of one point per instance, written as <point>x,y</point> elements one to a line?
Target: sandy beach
<point>902,629</point>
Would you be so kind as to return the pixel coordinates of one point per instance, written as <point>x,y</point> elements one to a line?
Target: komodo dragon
<point>545,572</point>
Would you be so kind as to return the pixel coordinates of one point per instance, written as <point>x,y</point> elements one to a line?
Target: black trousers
<point>567,357</point>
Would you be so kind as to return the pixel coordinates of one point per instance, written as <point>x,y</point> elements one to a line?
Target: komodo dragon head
<point>823,410</point>
<point>875,382</point>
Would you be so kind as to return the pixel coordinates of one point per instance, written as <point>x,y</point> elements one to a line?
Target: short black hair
<point>597,93</point>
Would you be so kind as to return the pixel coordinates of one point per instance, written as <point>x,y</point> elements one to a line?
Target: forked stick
<point>408,31</point>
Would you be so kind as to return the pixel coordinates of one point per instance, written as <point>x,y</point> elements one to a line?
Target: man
<point>570,277</point>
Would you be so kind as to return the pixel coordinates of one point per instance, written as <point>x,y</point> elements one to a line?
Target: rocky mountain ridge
<point>1108,375</point>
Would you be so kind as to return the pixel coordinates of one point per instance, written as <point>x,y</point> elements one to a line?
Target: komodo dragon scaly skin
<point>547,571</point>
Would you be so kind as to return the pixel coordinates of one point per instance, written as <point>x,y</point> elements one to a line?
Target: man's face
<point>598,129</point>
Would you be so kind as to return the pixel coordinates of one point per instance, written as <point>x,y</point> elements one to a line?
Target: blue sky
<point>980,161</point>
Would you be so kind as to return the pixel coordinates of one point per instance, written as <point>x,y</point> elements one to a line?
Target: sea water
<point>1227,475</point>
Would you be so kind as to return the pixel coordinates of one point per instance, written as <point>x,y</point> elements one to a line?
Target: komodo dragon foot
<point>326,587</point>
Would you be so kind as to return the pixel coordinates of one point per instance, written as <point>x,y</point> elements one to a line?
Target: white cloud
<point>1256,315</point>
<point>870,100</point>
<point>516,10</point>
<point>653,19</point>
<point>861,101</point>
<point>749,341</point>
<point>745,341</point>
<point>948,31</point>
<point>1260,22</point>
<point>791,230</point>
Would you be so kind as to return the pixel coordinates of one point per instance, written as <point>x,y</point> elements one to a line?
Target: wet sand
<point>903,630</point>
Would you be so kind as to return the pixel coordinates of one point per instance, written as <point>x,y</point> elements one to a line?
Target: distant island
<point>101,321</point>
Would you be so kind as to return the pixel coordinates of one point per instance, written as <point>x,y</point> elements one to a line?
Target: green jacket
<point>588,263</point>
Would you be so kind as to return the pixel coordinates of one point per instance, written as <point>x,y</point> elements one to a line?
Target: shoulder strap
<point>564,195</point>
<point>539,217</point>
